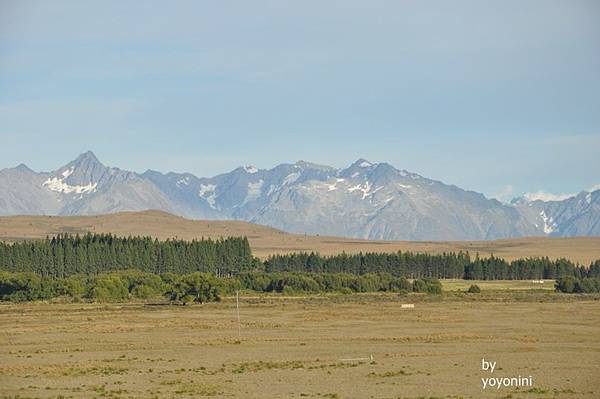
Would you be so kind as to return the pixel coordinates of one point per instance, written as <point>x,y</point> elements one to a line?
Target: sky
<point>500,97</point>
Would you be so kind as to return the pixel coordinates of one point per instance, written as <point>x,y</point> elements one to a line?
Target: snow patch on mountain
<point>208,189</point>
<point>333,186</point>
<point>271,190</point>
<point>183,182</point>
<point>250,169</point>
<point>292,177</point>
<point>254,191</point>
<point>365,188</point>
<point>549,225</point>
<point>59,185</point>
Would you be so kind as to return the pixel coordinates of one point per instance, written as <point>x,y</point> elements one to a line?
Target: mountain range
<point>364,200</point>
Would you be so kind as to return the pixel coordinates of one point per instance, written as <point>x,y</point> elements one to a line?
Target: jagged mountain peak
<point>23,168</point>
<point>362,163</point>
<point>310,165</point>
<point>365,169</point>
<point>366,200</point>
<point>83,164</point>
<point>87,156</point>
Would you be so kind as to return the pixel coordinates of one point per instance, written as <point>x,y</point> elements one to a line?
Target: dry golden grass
<point>266,241</point>
<point>293,348</point>
<point>463,285</point>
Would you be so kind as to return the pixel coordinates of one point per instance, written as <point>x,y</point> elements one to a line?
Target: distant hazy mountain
<point>365,200</point>
<point>575,216</point>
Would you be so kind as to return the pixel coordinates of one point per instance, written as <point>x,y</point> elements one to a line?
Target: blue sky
<point>501,97</point>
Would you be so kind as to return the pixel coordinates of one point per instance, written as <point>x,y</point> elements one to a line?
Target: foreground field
<point>266,241</point>
<point>316,347</point>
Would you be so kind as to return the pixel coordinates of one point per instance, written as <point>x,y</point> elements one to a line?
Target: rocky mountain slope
<point>365,200</point>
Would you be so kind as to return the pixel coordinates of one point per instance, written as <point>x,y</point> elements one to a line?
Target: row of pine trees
<point>447,265</point>
<point>92,254</point>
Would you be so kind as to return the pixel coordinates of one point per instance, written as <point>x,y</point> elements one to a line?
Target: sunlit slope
<point>266,240</point>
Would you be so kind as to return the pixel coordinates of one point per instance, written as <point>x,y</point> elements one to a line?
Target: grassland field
<point>311,346</point>
<point>307,347</point>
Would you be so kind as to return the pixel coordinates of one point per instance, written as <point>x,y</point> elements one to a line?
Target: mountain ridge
<point>364,200</point>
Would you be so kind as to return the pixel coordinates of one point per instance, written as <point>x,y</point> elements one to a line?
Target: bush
<point>295,282</point>
<point>419,286</point>
<point>588,285</point>
<point>73,287</point>
<point>566,284</point>
<point>228,285</point>
<point>196,287</point>
<point>144,292</point>
<point>474,289</point>
<point>141,284</point>
<point>20,287</point>
<point>427,285</point>
<point>108,288</point>
<point>570,285</point>
<point>400,284</point>
<point>254,281</point>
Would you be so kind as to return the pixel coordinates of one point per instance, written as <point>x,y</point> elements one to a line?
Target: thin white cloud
<point>545,196</point>
<point>507,193</point>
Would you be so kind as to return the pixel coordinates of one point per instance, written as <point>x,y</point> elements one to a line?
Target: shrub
<point>295,282</point>
<point>254,281</point>
<point>19,287</point>
<point>428,285</point>
<point>566,284</point>
<point>474,289</point>
<point>433,286</point>
<point>108,288</point>
<point>419,286</point>
<point>196,287</point>
<point>588,285</point>
<point>73,286</point>
<point>144,292</point>
<point>227,285</point>
<point>400,284</point>
<point>150,281</point>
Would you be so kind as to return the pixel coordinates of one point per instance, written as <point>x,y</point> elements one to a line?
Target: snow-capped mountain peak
<point>366,199</point>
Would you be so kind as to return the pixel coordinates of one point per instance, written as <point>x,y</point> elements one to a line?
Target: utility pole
<point>237,302</point>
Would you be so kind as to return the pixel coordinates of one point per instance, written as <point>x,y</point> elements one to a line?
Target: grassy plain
<point>462,285</point>
<point>266,241</point>
<point>305,347</point>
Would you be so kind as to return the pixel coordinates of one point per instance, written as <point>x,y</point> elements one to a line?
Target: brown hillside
<point>265,240</point>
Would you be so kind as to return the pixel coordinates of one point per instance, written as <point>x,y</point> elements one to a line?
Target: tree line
<point>66,255</point>
<point>197,287</point>
<point>442,266</point>
<point>92,254</point>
